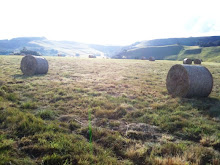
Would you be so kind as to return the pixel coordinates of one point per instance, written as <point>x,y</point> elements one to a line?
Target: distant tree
<point>25,51</point>
<point>217,43</point>
<point>209,44</point>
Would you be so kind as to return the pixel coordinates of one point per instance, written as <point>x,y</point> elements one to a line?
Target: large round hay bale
<point>189,81</point>
<point>31,65</point>
<point>151,59</point>
<point>197,61</point>
<point>187,61</point>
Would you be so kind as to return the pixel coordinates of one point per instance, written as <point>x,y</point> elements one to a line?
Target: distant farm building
<point>143,58</point>
<point>124,57</point>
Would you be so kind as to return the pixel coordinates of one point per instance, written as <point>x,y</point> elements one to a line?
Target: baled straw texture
<point>31,65</point>
<point>197,61</point>
<point>189,81</point>
<point>187,61</point>
<point>151,59</point>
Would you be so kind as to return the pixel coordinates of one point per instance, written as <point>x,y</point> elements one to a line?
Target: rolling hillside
<point>206,48</point>
<point>52,48</point>
<point>211,54</point>
<point>191,41</point>
<point>159,52</point>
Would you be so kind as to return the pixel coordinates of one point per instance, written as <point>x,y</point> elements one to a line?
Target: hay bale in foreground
<point>187,61</point>
<point>197,61</point>
<point>31,65</point>
<point>189,81</point>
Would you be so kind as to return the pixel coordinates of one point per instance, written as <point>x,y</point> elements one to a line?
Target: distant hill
<point>158,52</point>
<point>206,48</point>
<point>52,48</point>
<point>191,41</point>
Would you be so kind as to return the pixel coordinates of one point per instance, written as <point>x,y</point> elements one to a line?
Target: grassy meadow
<point>104,111</point>
<point>174,52</point>
<point>208,54</point>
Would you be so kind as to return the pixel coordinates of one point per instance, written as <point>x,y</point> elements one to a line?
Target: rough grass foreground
<point>102,111</point>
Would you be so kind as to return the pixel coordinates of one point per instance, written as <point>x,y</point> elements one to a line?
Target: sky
<point>108,22</point>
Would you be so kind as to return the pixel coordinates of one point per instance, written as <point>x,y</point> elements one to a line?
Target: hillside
<point>206,48</point>
<point>191,41</point>
<point>211,54</point>
<point>159,52</point>
<point>104,111</point>
<point>52,48</point>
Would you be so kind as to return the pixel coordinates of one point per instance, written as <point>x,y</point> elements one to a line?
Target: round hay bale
<point>189,81</point>
<point>151,59</point>
<point>31,65</point>
<point>197,61</point>
<point>187,61</point>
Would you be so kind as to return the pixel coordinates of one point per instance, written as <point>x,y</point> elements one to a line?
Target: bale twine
<point>187,61</point>
<point>197,61</point>
<point>31,65</point>
<point>189,81</point>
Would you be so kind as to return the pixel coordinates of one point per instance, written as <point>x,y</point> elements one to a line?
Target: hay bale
<point>187,61</point>
<point>31,65</point>
<point>151,59</point>
<point>197,61</point>
<point>189,81</point>
<point>92,56</point>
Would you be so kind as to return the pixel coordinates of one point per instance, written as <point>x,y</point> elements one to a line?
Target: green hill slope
<point>174,49</point>
<point>52,48</point>
<point>170,48</point>
<point>173,52</point>
<point>191,41</point>
<point>211,54</point>
<point>159,52</point>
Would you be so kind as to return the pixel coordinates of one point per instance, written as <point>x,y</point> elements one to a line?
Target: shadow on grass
<point>21,76</point>
<point>208,106</point>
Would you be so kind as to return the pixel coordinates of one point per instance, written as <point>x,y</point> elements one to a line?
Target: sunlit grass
<point>46,113</point>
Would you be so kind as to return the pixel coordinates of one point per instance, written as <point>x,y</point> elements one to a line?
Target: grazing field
<point>104,111</point>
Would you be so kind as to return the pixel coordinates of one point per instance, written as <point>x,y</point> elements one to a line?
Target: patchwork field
<point>104,111</point>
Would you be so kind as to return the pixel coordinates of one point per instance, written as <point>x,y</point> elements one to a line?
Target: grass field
<point>208,54</point>
<point>174,52</point>
<point>104,111</point>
